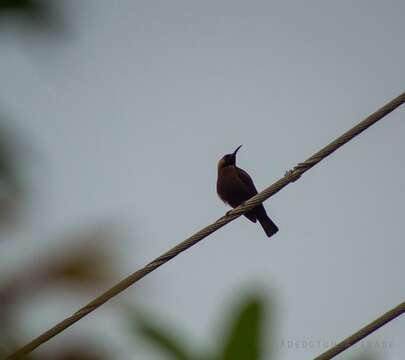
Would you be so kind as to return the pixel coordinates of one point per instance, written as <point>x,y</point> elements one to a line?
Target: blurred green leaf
<point>163,339</point>
<point>244,339</point>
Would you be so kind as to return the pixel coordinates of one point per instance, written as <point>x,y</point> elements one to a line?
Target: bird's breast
<point>229,187</point>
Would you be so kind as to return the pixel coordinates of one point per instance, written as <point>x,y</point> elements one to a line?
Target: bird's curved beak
<point>234,153</point>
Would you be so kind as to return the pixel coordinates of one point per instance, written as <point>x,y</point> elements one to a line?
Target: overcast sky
<point>127,114</point>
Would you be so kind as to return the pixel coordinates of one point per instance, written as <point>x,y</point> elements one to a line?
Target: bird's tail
<point>269,227</point>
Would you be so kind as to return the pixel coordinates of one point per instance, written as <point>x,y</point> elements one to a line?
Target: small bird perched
<point>234,186</point>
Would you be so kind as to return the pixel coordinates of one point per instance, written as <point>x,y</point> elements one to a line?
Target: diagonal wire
<point>362,333</point>
<point>290,176</point>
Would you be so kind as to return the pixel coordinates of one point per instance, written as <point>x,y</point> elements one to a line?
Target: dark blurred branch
<point>362,333</point>
<point>164,339</point>
<point>12,185</point>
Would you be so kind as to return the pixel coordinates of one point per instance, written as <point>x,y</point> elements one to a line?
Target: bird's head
<point>228,159</point>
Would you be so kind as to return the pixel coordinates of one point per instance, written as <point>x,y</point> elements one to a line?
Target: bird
<point>234,186</point>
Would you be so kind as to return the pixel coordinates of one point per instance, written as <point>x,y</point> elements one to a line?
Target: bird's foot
<point>243,203</point>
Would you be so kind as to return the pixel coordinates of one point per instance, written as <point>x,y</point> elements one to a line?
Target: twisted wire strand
<point>290,176</point>
<point>362,333</point>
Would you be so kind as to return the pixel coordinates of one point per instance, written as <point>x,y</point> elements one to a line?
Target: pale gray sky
<point>130,111</point>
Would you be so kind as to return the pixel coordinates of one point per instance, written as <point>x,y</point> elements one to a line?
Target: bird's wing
<point>247,181</point>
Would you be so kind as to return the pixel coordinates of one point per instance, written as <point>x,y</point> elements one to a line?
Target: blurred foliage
<point>37,14</point>
<point>88,261</point>
<point>73,352</point>
<point>86,264</point>
<point>77,351</point>
<point>22,6</point>
<point>33,10</point>
<point>30,9</point>
<point>243,339</point>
